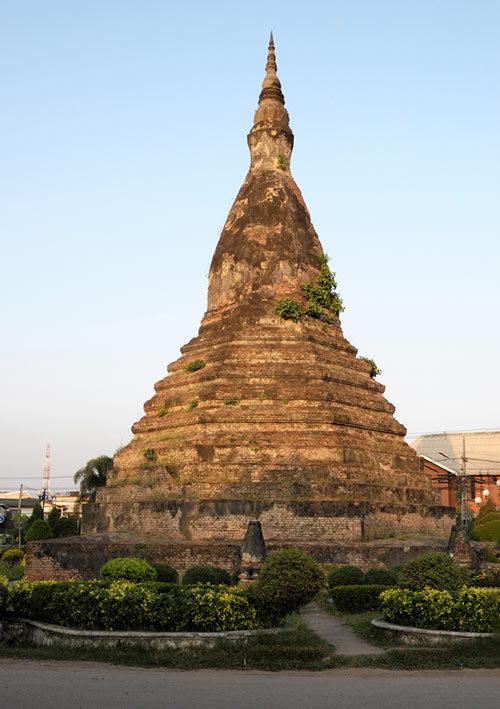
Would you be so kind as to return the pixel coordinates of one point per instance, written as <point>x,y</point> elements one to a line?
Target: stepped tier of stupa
<point>266,418</point>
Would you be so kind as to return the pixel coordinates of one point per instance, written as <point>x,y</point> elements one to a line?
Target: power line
<point>461,430</point>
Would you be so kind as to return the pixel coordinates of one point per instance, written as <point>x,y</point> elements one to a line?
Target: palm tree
<point>93,475</point>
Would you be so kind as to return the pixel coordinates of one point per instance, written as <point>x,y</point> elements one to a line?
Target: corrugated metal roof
<point>482,450</point>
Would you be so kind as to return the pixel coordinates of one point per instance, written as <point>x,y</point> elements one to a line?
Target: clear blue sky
<point>124,144</point>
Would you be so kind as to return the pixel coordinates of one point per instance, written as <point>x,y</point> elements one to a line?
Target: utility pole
<point>463,492</point>
<point>19,514</point>
<point>461,483</point>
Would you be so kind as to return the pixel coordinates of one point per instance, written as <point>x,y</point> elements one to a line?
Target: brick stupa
<point>281,422</point>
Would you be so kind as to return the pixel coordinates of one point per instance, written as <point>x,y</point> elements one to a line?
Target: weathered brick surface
<point>81,558</point>
<point>283,423</point>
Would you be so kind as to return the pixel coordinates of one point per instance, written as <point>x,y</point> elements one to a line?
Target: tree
<point>93,475</point>
<point>52,518</point>
<point>37,513</point>
<point>39,530</point>
<point>66,526</point>
<point>62,526</point>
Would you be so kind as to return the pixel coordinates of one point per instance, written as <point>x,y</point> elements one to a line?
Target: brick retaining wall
<point>82,557</point>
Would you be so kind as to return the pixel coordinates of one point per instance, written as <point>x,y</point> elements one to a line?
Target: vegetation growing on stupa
<point>375,370</point>
<point>150,455</point>
<point>320,296</point>
<point>194,365</point>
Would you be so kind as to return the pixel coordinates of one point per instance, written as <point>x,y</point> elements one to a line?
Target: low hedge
<point>206,574</point>
<point>4,593</point>
<point>346,576</point>
<point>127,606</point>
<point>469,609</point>
<point>353,576</point>
<point>165,572</point>
<point>356,599</point>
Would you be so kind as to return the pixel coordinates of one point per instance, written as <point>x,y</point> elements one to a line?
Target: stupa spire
<point>271,86</point>
<point>270,137</point>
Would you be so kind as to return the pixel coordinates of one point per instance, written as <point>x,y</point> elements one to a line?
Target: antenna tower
<point>46,472</point>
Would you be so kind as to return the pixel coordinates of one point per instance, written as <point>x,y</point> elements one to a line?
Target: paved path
<point>345,640</point>
<point>26,684</point>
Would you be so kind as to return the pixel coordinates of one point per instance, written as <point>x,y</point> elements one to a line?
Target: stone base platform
<point>81,558</point>
<point>21,632</point>
<point>408,635</point>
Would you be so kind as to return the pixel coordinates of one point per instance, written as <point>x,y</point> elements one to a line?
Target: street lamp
<point>43,495</point>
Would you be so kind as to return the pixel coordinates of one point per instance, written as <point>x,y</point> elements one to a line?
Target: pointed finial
<point>271,87</point>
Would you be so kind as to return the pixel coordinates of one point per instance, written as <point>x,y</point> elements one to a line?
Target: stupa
<point>268,414</point>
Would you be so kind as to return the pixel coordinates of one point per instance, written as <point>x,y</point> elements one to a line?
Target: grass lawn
<point>297,650</point>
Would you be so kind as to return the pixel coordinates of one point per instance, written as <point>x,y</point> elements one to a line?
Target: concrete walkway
<point>345,640</point>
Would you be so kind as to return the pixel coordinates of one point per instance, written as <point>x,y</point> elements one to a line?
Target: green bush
<point>165,572</point>
<point>346,576</point>
<point>215,609</point>
<point>206,574</point>
<point>486,579</point>
<point>4,593</point>
<point>66,526</point>
<point>356,599</point>
<point>322,294</point>
<point>39,530</point>
<point>375,371</point>
<point>469,609</point>
<point>37,513</point>
<point>129,569</point>
<point>128,606</point>
<point>195,365</point>
<point>52,518</point>
<point>488,532</point>
<point>288,579</point>
<point>436,570</point>
<point>288,309</point>
<point>150,455</point>
<point>379,576</point>
<point>12,557</point>
<point>159,586</point>
<point>485,511</point>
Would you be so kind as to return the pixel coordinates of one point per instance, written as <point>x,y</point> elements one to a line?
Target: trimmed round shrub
<point>12,557</point>
<point>346,576</point>
<point>128,569</point>
<point>436,570</point>
<point>206,574</point>
<point>288,579</point>
<point>379,576</point>
<point>165,572</point>
<point>39,530</point>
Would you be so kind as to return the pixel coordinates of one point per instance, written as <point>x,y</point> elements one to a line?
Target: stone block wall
<point>81,559</point>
